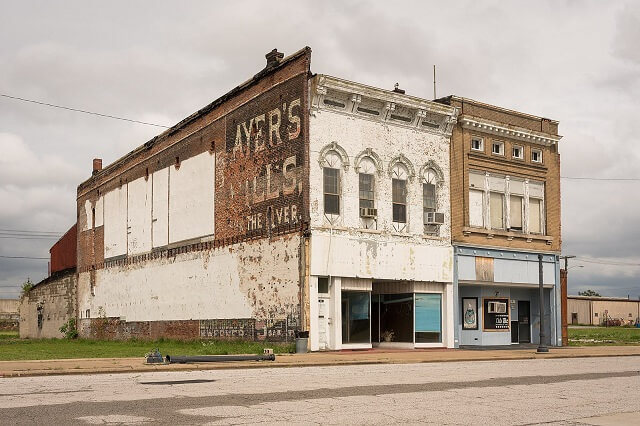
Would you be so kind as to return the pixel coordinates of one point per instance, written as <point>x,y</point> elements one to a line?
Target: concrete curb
<point>137,365</point>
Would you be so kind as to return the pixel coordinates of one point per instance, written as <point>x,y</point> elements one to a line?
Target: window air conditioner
<point>497,308</point>
<point>368,212</point>
<point>435,218</point>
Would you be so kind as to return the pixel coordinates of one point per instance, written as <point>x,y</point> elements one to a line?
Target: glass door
<point>356,317</point>
<point>428,312</point>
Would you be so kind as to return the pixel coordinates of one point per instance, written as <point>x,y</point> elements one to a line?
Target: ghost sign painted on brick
<point>264,154</point>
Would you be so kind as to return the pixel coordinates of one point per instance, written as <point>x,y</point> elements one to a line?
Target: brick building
<point>505,186</point>
<point>301,201</point>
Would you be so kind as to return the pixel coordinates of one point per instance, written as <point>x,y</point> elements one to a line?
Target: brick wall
<point>63,252</point>
<point>257,136</point>
<point>464,159</point>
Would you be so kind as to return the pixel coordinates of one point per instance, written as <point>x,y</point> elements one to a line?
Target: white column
<point>313,313</point>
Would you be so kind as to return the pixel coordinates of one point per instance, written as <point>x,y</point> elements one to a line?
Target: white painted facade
<point>173,205</point>
<point>362,254</point>
<point>211,284</point>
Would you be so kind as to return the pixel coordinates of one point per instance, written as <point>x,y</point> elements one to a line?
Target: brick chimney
<point>273,58</point>
<point>397,89</point>
<point>97,165</point>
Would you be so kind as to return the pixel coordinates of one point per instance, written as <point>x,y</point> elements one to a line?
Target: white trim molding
<point>519,133</point>
<point>333,146</point>
<point>385,106</point>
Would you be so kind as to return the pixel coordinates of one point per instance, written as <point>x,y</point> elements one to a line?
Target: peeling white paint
<point>139,216</point>
<point>191,188</point>
<point>251,280</point>
<point>115,222</point>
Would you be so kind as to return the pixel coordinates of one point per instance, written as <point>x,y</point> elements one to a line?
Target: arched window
<point>399,176</point>
<point>332,182</point>
<point>367,183</point>
<point>429,201</point>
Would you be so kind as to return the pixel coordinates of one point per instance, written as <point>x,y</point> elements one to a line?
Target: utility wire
<point>24,257</point>
<point>82,111</point>
<point>167,127</point>
<point>31,237</point>
<point>604,262</point>
<point>31,232</point>
<point>604,179</point>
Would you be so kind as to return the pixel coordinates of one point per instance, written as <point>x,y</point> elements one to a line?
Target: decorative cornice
<point>370,103</point>
<point>513,132</point>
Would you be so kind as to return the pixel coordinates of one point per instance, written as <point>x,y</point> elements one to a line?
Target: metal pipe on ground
<point>217,358</point>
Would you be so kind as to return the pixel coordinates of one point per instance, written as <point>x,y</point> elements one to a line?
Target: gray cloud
<point>160,61</point>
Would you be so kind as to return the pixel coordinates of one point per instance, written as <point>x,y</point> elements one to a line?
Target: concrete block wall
<point>54,299</point>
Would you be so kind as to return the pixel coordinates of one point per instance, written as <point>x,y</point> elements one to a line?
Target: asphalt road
<point>574,391</point>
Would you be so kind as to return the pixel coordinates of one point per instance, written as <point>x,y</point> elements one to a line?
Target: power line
<point>603,179</point>
<point>30,232</point>
<point>82,111</point>
<point>30,237</point>
<point>24,234</point>
<point>604,262</point>
<point>24,257</point>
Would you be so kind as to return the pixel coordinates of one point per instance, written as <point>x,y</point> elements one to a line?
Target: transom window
<point>536,156</point>
<point>517,152</point>
<point>477,144</point>
<point>497,148</point>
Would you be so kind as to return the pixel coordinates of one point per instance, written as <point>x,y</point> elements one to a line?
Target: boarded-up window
<point>496,208</point>
<point>516,213</point>
<point>484,268</point>
<point>476,201</point>
<point>535,216</point>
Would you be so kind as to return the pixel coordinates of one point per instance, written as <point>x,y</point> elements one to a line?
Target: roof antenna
<point>434,82</point>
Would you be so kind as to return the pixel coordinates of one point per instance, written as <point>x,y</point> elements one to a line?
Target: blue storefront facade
<point>496,293</point>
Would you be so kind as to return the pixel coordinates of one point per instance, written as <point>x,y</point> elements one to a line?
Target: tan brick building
<point>505,204</point>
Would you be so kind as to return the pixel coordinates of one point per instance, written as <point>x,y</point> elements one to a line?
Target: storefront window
<point>356,318</point>
<point>428,318</point>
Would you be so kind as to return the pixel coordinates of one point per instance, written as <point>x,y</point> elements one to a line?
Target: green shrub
<point>69,329</point>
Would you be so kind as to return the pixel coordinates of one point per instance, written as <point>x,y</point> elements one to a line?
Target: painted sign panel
<point>469,313</point>
<point>262,180</point>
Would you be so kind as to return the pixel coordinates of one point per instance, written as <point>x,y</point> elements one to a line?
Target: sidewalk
<point>375,356</point>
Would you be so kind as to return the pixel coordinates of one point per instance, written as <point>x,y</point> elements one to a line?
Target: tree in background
<point>589,293</point>
<point>26,286</point>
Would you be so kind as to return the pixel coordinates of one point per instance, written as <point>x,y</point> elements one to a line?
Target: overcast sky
<point>574,61</point>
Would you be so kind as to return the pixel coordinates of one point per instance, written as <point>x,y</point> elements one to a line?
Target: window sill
<point>490,233</point>
<point>370,231</point>
<point>400,234</point>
